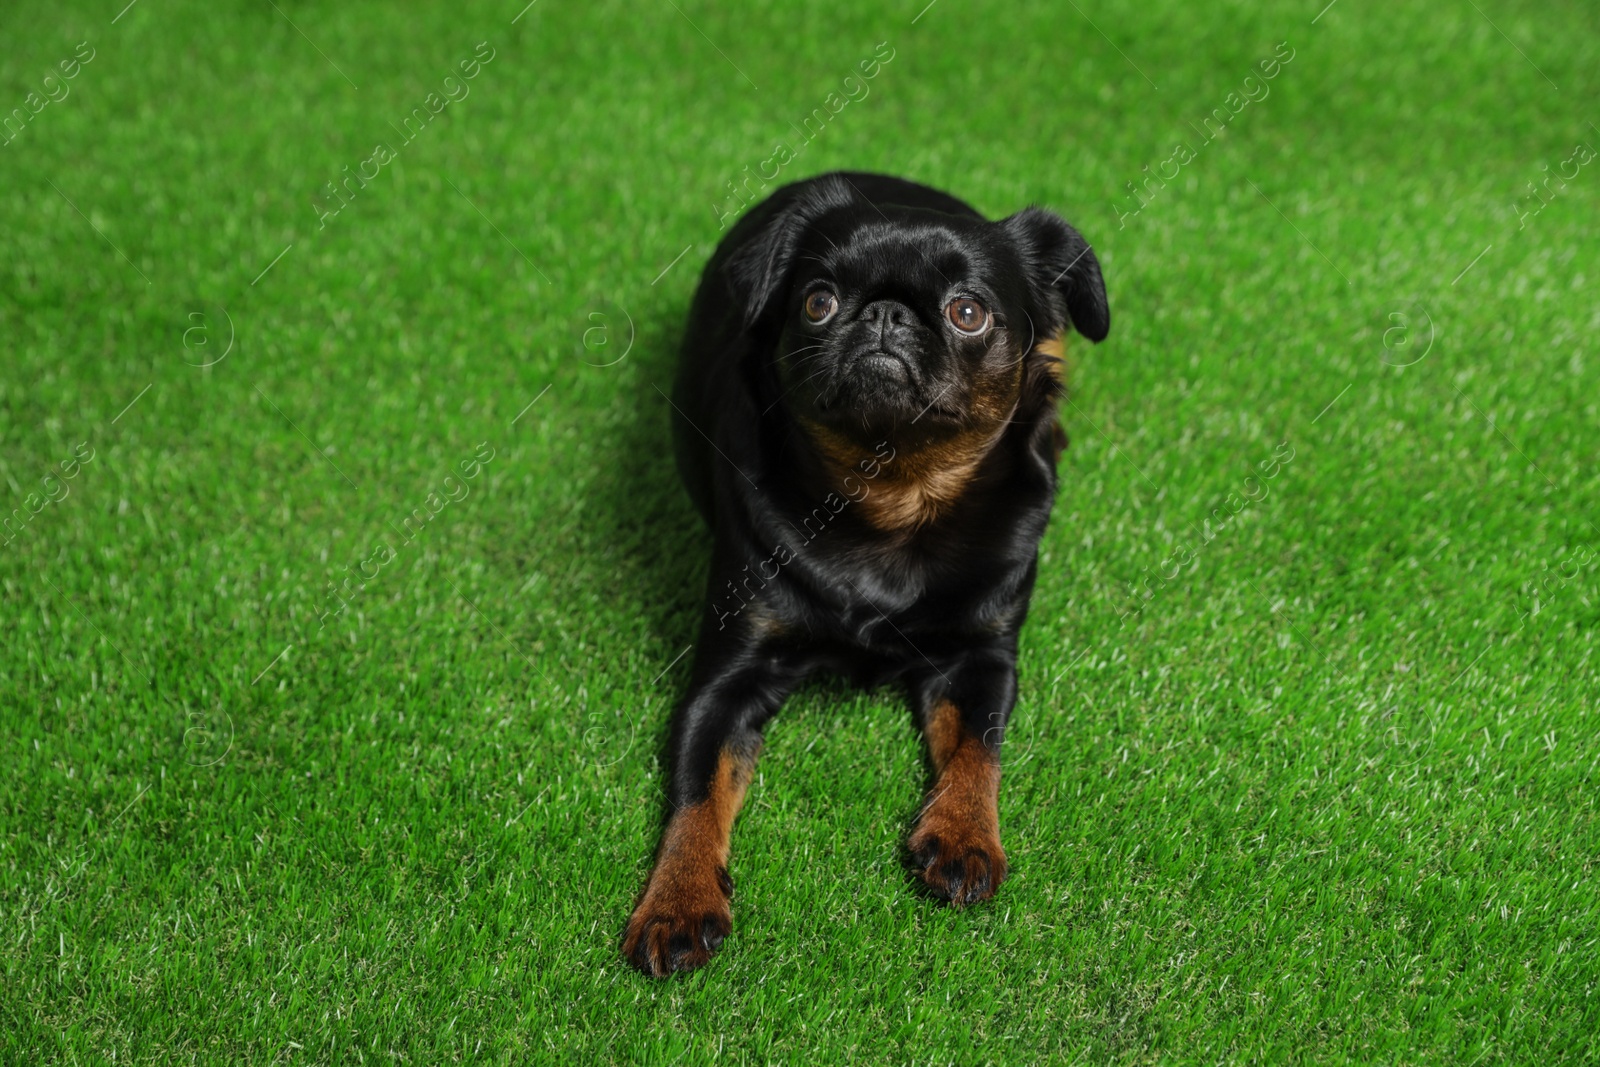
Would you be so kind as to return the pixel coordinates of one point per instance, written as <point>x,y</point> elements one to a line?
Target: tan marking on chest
<point>913,488</point>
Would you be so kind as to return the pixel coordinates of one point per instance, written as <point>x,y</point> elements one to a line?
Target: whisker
<point>793,387</point>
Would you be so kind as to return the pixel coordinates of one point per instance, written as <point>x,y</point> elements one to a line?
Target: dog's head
<point>888,317</point>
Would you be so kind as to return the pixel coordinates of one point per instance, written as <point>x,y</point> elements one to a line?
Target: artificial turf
<point>289,778</point>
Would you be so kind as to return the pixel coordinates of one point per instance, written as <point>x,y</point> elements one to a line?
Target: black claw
<point>679,945</point>
<point>638,957</point>
<point>713,930</point>
<point>950,874</point>
<point>978,874</point>
<point>725,881</point>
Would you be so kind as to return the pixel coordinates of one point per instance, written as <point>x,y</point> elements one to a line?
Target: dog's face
<point>900,320</point>
<point>890,317</point>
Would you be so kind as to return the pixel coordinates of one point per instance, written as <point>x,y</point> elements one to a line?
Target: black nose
<point>887,313</point>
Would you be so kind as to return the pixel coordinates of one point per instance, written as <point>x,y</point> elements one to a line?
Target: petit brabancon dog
<point>866,417</point>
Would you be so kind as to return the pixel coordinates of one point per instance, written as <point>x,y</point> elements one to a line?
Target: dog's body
<point>865,416</point>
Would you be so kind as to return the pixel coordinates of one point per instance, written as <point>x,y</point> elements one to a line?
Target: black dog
<point>866,418</point>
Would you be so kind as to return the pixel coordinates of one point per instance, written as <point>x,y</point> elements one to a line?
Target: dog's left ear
<point>1062,268</point>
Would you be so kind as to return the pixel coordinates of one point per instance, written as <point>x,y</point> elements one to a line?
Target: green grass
<point>1330,796</point>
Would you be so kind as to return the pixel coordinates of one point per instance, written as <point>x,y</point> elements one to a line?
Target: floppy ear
<point>759,268</point>
<point>1062,268</point>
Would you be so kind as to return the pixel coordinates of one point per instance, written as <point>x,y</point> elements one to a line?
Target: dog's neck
<point>927,473</point>
<point>916,484</point>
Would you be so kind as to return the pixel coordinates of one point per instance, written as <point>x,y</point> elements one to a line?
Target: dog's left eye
<point>967,315</point>
<point>820,305</point>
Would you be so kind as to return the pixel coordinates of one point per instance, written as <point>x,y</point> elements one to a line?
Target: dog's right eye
<point>820,306</point>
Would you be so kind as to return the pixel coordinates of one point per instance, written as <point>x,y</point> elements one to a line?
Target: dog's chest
<point>940,582</point>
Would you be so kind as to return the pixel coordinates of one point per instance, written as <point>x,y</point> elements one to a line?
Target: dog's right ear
<point>759,269</point>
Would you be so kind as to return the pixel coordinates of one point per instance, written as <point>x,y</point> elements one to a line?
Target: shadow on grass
<point>656,548</point>
<point>652,548</point>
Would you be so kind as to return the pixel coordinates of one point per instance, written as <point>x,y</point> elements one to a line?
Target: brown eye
<point>967,315</point>
<point>820,305</point>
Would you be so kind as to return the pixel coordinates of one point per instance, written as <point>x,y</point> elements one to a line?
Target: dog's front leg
<point>963,707</point>
<point>683,915</point>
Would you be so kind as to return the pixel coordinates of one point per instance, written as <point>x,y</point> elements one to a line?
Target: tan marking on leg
<point>969,783</point>
<point>943,731</point>
<point>701,831</point>
<point>957,838</point>
<point>683,914</point>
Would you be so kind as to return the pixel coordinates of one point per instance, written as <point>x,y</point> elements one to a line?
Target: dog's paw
<point>958,857</point>
<point>680,922</point>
